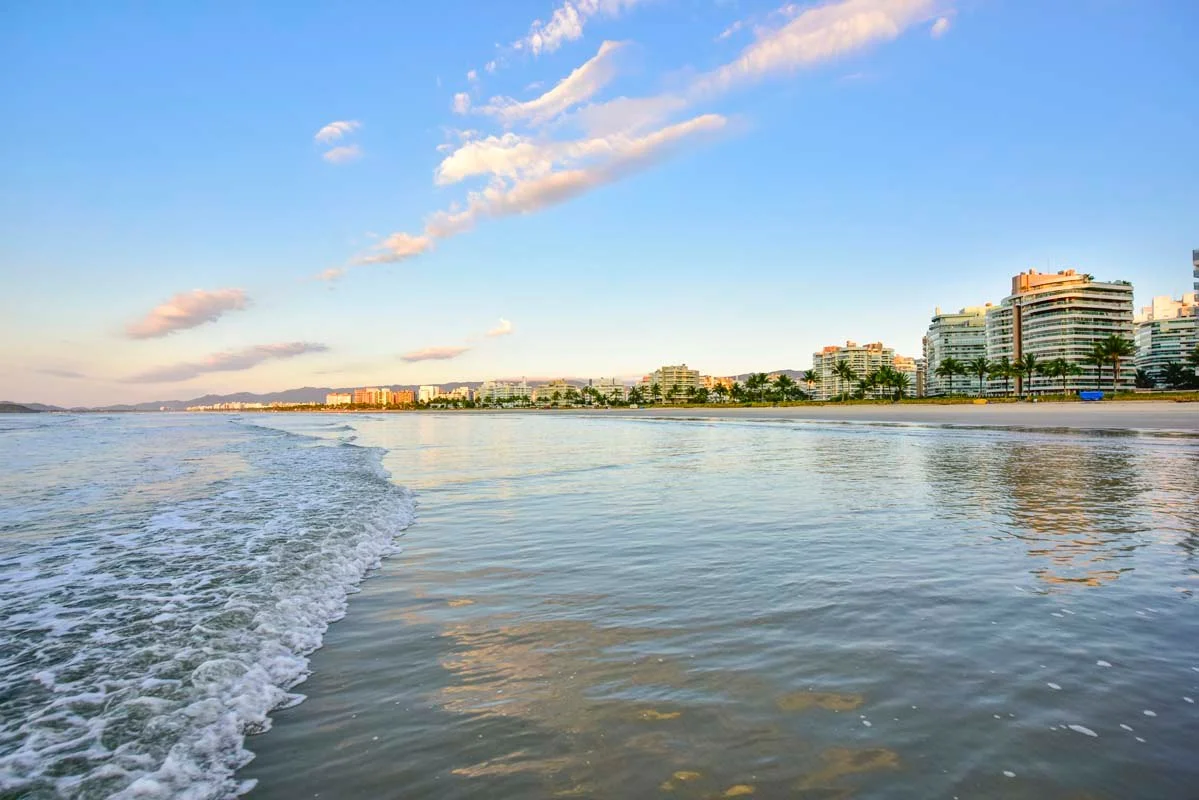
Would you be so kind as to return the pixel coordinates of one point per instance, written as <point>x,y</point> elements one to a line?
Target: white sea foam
<point>140,645</point>
<point>1082,729</point>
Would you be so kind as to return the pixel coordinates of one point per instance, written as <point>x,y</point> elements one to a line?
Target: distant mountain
<point>13,408</point>
<point>33,406</point>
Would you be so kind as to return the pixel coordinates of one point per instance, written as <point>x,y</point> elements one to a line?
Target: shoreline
<point>1138,415</point>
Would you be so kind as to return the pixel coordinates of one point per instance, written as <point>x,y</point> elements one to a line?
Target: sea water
<point>594,606</point>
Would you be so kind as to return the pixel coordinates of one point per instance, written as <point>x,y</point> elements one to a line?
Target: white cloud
<point>396,247</point>
<point>435,353</point>
<point>816,35</point>
<point>335,130</point>
<point>567,22</point>
<point>461,103</point>
<point>472,76</point>
<point>578,86</point>
<point>730,30</point>
<point>187,310</point>
<point>608,159</point>
<point>343,154</point>
<point>940,27</point>
<point>491,66</point>
<point>503,329</point>
<point>231,361</point>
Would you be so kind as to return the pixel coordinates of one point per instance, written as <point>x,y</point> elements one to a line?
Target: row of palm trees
<point>1111,350</point>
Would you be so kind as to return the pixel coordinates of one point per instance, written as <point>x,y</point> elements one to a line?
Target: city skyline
<point>597,194</point>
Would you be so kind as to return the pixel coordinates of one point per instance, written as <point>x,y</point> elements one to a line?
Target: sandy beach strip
<point>1110,415</point>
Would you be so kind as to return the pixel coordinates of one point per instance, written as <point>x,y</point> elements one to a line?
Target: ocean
<point>550,605</point>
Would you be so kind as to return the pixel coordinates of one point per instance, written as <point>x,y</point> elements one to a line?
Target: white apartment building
<point>1167,330</point>
<point>339,399</point>
<point>493,391</point>
<point>864,359</point>
<point>610,388</point>
<point>673,382</point>
<point>1059,315</point>
<point>462,393</point>
<point>546,391</point>
<point>427,394</point>
<point>960,335</point>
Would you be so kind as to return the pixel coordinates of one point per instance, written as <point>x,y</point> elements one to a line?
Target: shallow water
<point>628,608</point>
<point>594,607</point>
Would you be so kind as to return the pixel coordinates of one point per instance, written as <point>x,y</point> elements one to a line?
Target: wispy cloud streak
<point>230,361</point>
<point>187,310</point>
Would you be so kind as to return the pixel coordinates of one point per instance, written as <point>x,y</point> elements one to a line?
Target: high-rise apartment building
<point>960,335</point>
<point>338,399</point>
<point>546,391</point>
<point>610,388</point>
<point>1195,264</point>
<point>372,396</point>
<point>863,359</point>
<point>1058,315</point>
<point>403,397</point>
<point>673,381</point>
<point>1166,332</point>
<point>427,394</point>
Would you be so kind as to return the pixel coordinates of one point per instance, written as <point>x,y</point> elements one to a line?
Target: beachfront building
<point>427,394</point>
<point>960,335</point>
<point>493,391</point>
<point>546,391</point>
<point>910,367</point>
<point>609,388</point>
<point>403,397</point>
<point>1166,332</point>
<point>1058,315</point>
<point>338,399</point>
<point>863,359</point>
<point>372,396</point>
<point>673,381</point>
<point>460,393</point>
<point>921,377</point>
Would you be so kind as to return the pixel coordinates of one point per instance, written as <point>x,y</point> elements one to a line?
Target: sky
<point>225,196</point>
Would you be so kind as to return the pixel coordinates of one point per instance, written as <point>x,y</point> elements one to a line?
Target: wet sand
<point>1134,415</point>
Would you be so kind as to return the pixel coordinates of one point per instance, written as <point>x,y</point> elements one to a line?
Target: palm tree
<point>1193,357</point>
<point>1026,366</point>
<point>756,383</point>
<point>980,367</point>
<point>736,391</point>
<point>1116,347</point>
<point>1065,370</point>
<point>1096,358</point>
<point>948,368</point>
<point>1176,375</point>
<point>699,395</point>
<point>846,374</point>
<point>785,386</point>
<point>655,391</point>
<point>720,391</point>
<point>636,396</point>
<point>811,377</point>
<point>1003,369</point>
<point>1143,380</point>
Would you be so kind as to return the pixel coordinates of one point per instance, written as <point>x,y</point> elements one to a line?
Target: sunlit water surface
<point>594,607</point>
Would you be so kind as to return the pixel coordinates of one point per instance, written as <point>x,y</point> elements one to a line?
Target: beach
<point>1116,415</point>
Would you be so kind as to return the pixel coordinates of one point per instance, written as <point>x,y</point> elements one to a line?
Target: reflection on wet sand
<point>1081,510</point>
<point>612,710</point>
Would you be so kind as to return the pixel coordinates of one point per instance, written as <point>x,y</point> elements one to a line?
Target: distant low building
<point>496,391</point>
<point>372,396</point>
<point>610,388</point>
<point>460,393</point>
<point>403,397</point>
<point>339,399</point>
<point>546,391</point>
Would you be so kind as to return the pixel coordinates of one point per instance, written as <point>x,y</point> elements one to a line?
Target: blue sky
<point>777,177</point>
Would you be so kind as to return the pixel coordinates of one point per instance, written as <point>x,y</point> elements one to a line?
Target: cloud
<point>816,35</point>
<point>435,353</point>
<point>579,85</point>
<point>567,22</point>
<point>472,76</point>
<point>461,103</point>
<point>609,159</point>
<point>187,310</point>
<point>940,27</point>
<point>61,373</point>
<point>343,154</point>
<point>396,247</point>
<point>230,361</point>
<point>503,329</point>
<point>335,130</point>
<point>730,30</point>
